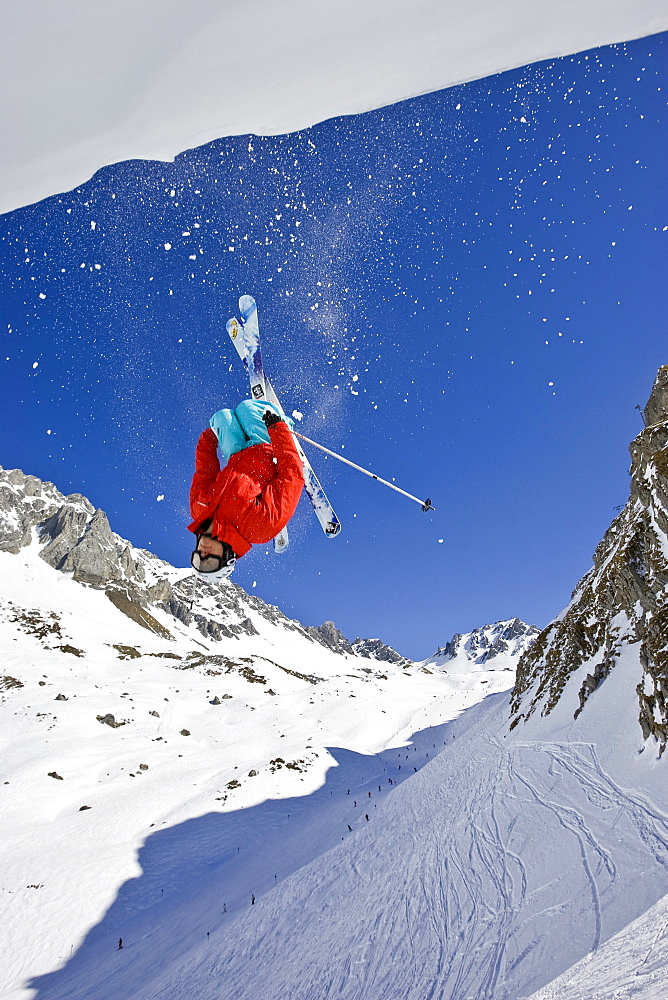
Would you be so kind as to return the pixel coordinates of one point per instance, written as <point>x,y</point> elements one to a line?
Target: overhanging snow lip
<point>354,84</point>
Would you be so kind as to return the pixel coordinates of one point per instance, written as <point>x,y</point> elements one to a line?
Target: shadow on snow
<point>198,875</point>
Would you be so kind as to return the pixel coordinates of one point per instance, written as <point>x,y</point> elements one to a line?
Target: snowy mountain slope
<point>497,865</point>
<point>123,712</point>
<point>510,854</point>
<point>86,87</point>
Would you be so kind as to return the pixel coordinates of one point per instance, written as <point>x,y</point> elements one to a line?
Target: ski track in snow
<point>444,896</point>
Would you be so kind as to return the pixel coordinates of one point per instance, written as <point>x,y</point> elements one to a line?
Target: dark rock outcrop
<point>8,683</point>
<point>622,600</point>
<point>376,649</point>
<point>331,637</point>
<point>110,720</point>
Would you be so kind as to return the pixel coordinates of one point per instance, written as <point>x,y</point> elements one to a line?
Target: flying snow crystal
<point>93,225</point>
<point>35,364</point>
<point>297,415</point>
<point>42,295</point>
<point>168,246</point>
<point>160,497</point>
<point>440,541</point>
<point>254,584</point>
<point>49,431</point>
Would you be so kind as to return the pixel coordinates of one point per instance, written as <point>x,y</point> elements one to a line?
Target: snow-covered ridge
<point>75,538</point>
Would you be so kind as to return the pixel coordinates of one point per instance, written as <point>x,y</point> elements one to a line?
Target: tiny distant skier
<point>252,498</point>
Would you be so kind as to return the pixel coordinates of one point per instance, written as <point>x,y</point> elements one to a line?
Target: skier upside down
<point>252,498</point>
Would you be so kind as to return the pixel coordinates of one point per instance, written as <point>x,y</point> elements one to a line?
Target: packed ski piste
<point>250,500</point>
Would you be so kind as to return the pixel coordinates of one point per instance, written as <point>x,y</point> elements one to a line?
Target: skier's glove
<point>271,418</point>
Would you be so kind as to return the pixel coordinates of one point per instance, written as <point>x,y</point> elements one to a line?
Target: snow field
<point>164,830</point>
<point>503,860</point>
<point>500,863</point>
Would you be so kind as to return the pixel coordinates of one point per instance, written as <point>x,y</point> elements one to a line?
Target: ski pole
<point>425,504</point>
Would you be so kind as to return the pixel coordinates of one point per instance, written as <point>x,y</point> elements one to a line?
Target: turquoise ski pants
<point>243,427</point>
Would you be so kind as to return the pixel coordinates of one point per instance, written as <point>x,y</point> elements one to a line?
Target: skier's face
<point>208,546</point>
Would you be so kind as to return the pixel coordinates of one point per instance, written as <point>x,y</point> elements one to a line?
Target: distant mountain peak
<point>490,646</point>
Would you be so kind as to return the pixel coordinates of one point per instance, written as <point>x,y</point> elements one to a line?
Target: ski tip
<point>233,327</point>
<point>247,306</point>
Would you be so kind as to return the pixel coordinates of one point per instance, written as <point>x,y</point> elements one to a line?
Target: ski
<point>247,344</point>
<point>246,338</point>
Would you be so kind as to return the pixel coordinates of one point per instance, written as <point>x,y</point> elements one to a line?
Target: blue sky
<point>465,291</point>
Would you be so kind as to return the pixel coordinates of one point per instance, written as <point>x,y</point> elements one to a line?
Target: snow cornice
<point>87,85</point>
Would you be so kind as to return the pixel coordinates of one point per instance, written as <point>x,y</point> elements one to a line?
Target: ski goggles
<point>211,563</point>
<point>208,564</point>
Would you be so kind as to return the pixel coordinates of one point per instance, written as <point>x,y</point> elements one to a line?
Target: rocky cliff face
<point>375,649</point>
<point>622,600</point>
<point>77,539</point>
<point>26,501</point>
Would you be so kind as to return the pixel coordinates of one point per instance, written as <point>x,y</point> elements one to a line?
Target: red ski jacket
<point>253,497</point>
